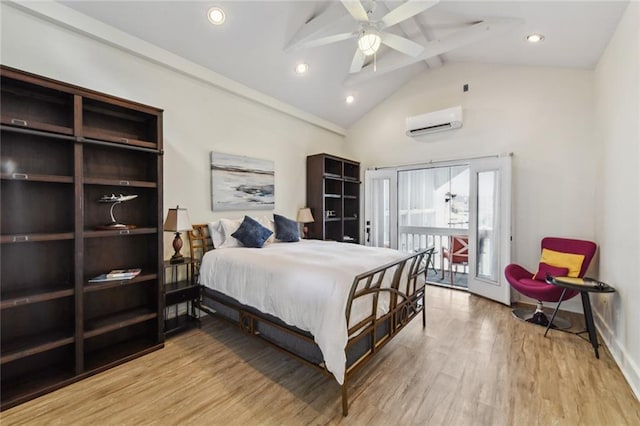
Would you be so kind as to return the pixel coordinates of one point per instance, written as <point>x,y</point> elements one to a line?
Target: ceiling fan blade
<point>326,40</point>
<point>402,44</point>
<point>406,11</point>
<point>357,62</point>
<point>356,10</point>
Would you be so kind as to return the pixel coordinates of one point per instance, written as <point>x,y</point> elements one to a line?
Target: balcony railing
<point>412,238</point>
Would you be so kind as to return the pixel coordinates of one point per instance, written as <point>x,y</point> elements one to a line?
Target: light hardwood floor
<point>474,364</point>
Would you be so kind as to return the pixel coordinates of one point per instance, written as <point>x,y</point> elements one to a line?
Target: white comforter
<point>305,284</point>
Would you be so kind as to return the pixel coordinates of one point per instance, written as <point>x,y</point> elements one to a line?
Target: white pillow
<point>267,222</point>
<point>216,232</point>
<point>229,226</point>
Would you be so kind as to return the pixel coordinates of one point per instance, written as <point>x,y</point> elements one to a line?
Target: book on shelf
<point>124,273</point>
<point>116,274</point>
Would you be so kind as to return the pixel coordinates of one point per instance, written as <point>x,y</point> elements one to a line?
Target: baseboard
<point>629,369</point>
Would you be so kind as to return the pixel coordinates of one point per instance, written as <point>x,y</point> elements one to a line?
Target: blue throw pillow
<point>287,230</point>
<point>251,233</point>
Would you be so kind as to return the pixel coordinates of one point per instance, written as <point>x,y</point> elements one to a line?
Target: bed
<point>331,305</point>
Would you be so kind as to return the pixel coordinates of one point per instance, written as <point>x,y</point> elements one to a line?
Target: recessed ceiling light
<point>216,16</point>
<point>302,68</point>
<point>349,99</point>
<point>534,38</point>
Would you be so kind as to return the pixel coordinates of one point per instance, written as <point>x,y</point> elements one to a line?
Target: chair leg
<point>451,272</point>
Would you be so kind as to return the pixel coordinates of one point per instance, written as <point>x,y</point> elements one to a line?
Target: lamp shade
<point>304,215</point>
<point>177,220</point>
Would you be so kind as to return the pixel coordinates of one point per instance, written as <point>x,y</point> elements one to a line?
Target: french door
<point>487,222</point>
<point>490,227</point>
<point>381,208</point>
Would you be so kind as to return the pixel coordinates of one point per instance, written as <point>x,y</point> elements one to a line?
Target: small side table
<point>178,292</point>
<point>584,286</point>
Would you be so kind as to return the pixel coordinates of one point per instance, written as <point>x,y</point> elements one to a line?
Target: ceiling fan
<point>371,34</point>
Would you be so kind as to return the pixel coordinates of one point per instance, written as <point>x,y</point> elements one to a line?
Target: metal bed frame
<point>406,301</point>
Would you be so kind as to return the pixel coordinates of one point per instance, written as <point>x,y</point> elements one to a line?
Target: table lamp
<point>305,216</point>
<point>177,221</point>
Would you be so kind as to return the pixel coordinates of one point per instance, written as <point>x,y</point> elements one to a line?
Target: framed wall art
<point>241,183</point>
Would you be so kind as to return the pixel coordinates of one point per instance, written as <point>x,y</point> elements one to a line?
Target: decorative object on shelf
<point>115,200</point>
<point>304,217</point>
<point>177,221</point>
<point>241,183</point>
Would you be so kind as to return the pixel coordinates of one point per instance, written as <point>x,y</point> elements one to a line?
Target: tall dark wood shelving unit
<point>333,185</point>
<point>62,147</point>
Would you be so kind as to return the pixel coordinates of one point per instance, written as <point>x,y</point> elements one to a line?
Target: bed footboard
<point>390,307</point>
<point>401,302</point>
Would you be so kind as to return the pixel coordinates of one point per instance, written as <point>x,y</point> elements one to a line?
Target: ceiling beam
<point>334,17</point>
<point>409,27</point>
<point>486,28</point>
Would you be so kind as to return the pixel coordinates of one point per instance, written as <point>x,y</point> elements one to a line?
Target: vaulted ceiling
<point>261,42</point>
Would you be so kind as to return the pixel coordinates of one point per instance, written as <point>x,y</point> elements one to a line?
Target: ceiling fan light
<point>369,43</point>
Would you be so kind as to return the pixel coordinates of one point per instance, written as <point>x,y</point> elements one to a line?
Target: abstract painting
<point>241,183</point>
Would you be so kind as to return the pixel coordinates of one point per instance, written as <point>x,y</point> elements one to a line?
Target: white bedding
<point>305,284</point>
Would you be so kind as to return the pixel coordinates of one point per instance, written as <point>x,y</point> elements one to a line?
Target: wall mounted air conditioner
<point>437,121</point>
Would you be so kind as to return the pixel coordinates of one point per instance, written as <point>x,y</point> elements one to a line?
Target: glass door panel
<point>490,233</point>
<point>381,208</point>
<point>487,265</point>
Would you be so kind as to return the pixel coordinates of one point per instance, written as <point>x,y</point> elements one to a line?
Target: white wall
<point>617,95</point>
<point>543,115</point>
<point>198,118</point>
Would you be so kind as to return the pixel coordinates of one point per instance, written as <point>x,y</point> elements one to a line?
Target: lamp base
<point>115,226</point>
<point>177,246</point>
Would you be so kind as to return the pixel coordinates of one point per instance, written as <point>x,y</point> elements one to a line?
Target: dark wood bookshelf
<point>26,238</point>
<point>116,354</point>
<point>119,232</point>
<point>98,286</point>
<point>333,185</point>
<point>12,299</point>
<point>31,345</point>
<point>127,183</point>
<point>42,381</point>
<point>115,321</point>
<point>63,148</point>
<point>37,178</point>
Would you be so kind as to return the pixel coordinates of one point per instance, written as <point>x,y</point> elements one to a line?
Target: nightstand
<point>181,296</point>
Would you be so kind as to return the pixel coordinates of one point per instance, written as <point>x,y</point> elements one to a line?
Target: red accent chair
<point>522,280</point>
<point>456,254</point>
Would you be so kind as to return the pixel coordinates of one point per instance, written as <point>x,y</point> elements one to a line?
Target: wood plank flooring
<point>474,364</point>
